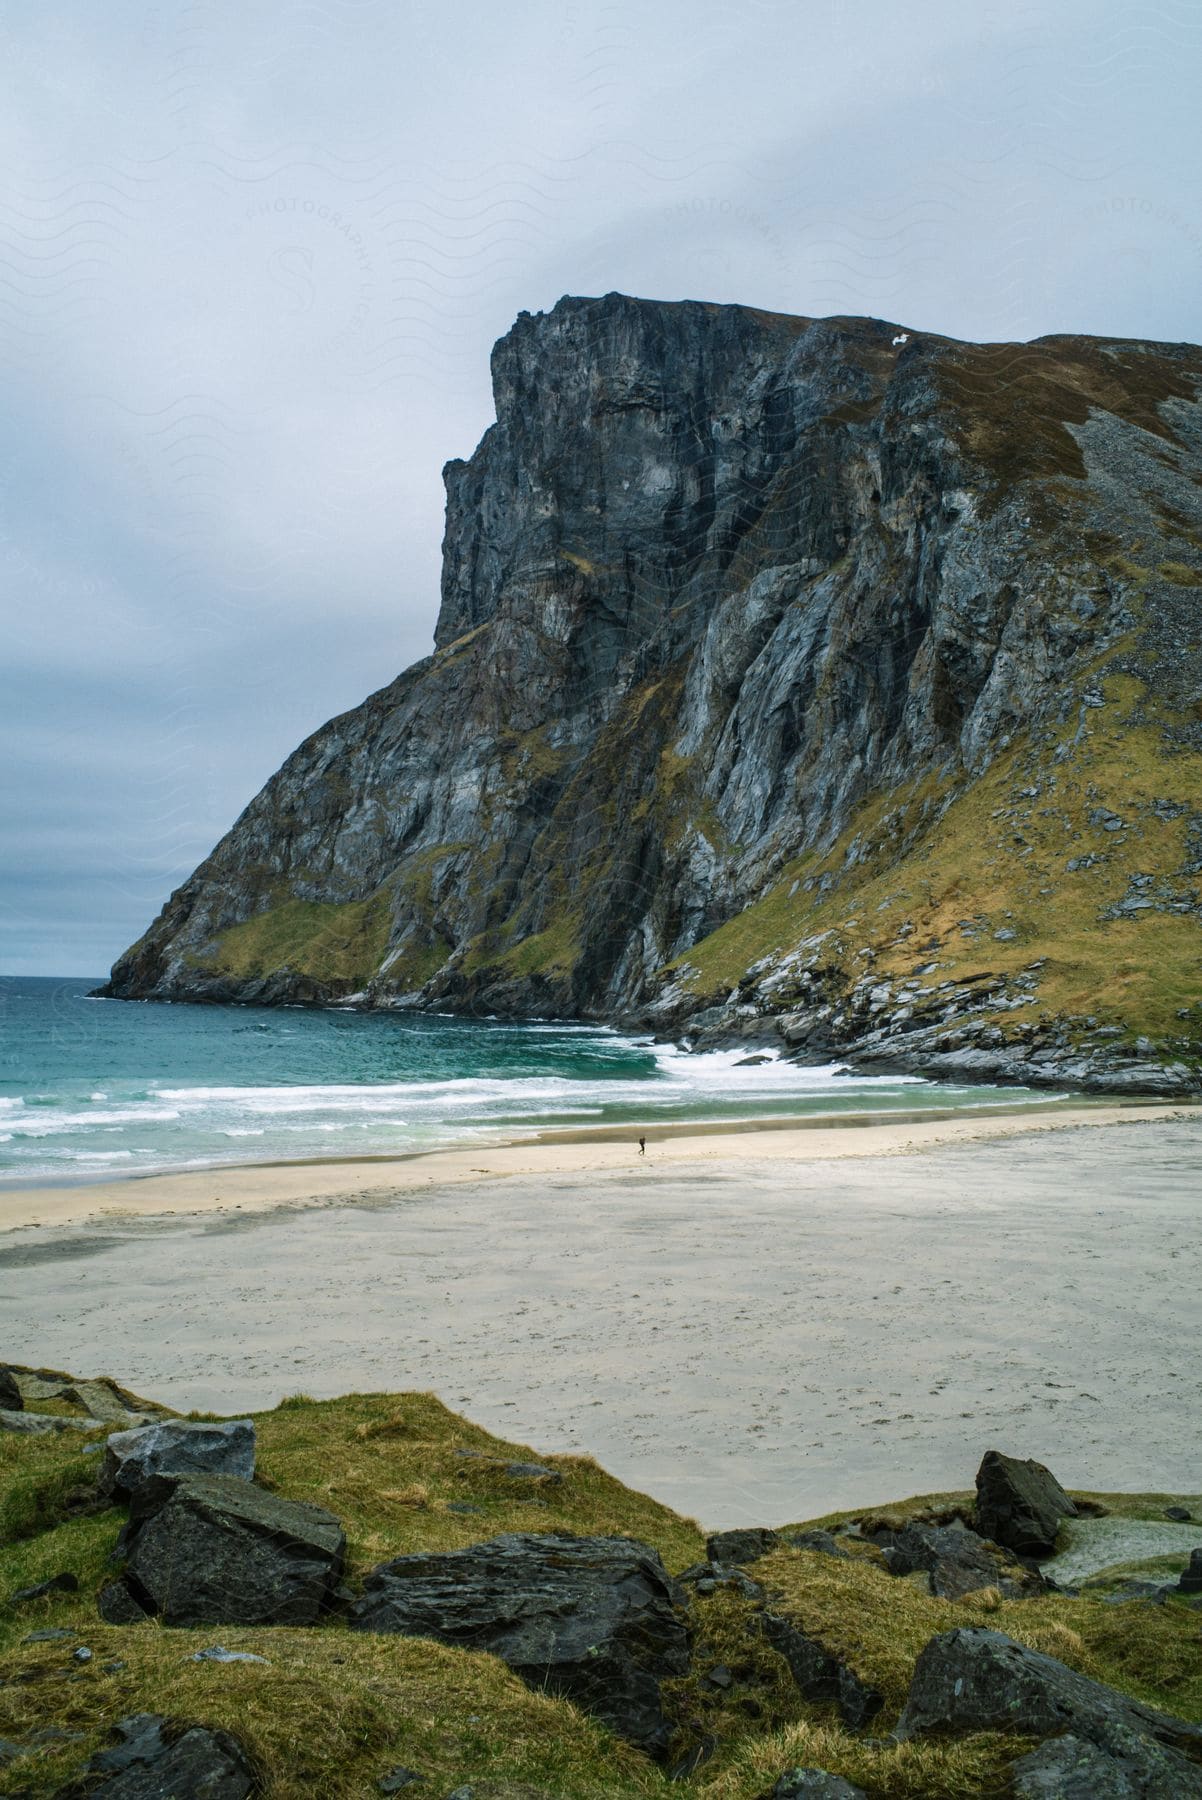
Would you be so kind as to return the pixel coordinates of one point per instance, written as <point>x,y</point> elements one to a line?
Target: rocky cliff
<point>816,677</point>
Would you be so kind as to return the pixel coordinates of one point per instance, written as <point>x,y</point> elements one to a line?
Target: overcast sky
<point>252,260</point>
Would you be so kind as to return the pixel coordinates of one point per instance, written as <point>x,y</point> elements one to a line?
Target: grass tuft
<point>331,1711</point>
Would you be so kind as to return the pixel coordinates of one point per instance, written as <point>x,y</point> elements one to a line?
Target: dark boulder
<point>821,1677</point>
<point>153,1762</point>
<point>35,1424</point>
<point>398,1779</point>
<point>956,1561</point>
<point>814,1784</point>
<point>980,1680</point>
<point>177,1447</point>
<point>744,1545</point>
<point>1068,1768</point>
<point>595,1619</point>
<point>118,1605</point>
<point>708,1577</point>
<point>219,1551</point>
<point>1020,1504</point>
<point>66,1583</point>
<point>1191,1580</point>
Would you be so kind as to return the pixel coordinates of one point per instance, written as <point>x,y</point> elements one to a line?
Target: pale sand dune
<point>753,1327</point>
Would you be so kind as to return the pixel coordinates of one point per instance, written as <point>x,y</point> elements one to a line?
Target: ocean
<point>98,1089</point>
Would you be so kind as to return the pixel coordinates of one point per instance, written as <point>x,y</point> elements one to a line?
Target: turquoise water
<point>93,1089</point>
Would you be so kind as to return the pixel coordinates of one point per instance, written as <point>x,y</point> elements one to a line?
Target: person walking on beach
<point>642,1146</point>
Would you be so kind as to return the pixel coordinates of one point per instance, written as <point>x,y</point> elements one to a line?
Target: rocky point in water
<point>803,680</point>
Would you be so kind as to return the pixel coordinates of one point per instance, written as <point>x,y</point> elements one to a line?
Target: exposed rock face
<point>214,1550</point>
<point>1020,1504</point>
<point>595,1619</point>
<point>814,1784</point>
<point>100,1397</point>
<point>1066,1768</point>
<point>956,1560</point>
<point>819,1675</point>
<point>150,1762</point>
<point>177,1447</point>
<point>738,609</point>
<point>1190,1581</point>
<point>978,1680</point>
<point>745,1544</point>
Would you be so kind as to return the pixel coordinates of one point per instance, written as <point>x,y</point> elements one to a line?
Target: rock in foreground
<point>219,1551</point>
<point>154,1763</point>
<point>1067,1768</point>
<point>595,1619</point>
<point>1020,1504</point>
<point>177,1447</point>
<point>955,1560</point>
<point>979,1680</point>
<point>815,1784</point>
<point>821,1677</point>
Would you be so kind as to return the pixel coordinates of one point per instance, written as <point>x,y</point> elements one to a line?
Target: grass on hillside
<point>331,1710</point>
<point>998,861</point>
<point>341,945</point>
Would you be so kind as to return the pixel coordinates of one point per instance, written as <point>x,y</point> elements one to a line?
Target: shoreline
<point>268,1186</point>
<point>753,1327</point>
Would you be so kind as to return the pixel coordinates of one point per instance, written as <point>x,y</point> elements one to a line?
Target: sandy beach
<point>755,1327</point>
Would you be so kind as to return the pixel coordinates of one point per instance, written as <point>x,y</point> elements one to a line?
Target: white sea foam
<point>562,1074</point>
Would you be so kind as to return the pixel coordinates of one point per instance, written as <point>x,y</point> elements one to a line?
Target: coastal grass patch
<point>1181,574</point>
<point>43,1481</point>
<point>329,1713</point>
<point>1015,870</point>
<point>396,1467</point>
<point>339,944</point>
<point>1014,403</point>
<point>977,1767</point>
<point>1163,1568</point>
<point>878,1624</point>
<point>1139,1505</point>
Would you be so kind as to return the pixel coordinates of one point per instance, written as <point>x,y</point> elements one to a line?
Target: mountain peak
<point>808,676</point>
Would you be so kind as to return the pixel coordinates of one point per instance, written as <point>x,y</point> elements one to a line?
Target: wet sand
<point>755,1328</point>
<point>253,1187</point>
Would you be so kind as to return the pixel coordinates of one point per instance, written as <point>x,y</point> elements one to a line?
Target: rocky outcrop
<point>595,1619</point>
<point>100,1397</point>
<point>1190,1581</point>
<point>1067,1768</point>
<point>814,1784</point>
<point>1020,1504</point>
<point>214,1550</point>
<point>978,1680</point>
<point>741,615</point>
<point>819,1675</point>
<point>176,1447</point>
<point>955,1560</point>
<point>152,1761</point>
<point>745,1544</point>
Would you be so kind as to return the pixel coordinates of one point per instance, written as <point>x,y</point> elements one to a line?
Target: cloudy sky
<point>252,260</point>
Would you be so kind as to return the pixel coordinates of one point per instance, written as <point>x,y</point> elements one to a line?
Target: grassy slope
<point>333,1710</point>
<point>996,861</point>
<point>340,944</point>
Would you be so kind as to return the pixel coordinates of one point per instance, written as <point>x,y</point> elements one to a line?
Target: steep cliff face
<point>783,667</point>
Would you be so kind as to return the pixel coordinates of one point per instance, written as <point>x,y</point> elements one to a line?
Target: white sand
<point>755,1328</point>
